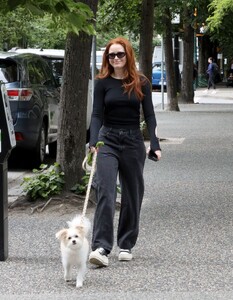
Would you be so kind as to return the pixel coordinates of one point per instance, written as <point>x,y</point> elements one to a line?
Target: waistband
<point>121,130</point>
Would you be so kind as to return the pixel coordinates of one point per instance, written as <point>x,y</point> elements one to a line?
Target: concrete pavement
<point>185,248</point>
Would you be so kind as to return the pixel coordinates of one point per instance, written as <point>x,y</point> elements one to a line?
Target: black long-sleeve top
<point>114,108</point>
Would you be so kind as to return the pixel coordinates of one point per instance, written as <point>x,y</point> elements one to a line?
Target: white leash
<point>93,166</point>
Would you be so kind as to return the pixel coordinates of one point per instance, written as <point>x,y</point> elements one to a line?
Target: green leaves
<point>90,154</point>
<point>47,181</point>
<point>118,17</point>
<point>81,188</point>
<point>74,16</point>
<point>220,24</point>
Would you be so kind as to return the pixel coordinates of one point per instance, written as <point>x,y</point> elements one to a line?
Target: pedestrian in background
<point>211,75</point>
<point>120,91</point>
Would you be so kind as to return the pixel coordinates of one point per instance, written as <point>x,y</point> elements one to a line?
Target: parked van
<point>157,54</point>
<point>99,58</point>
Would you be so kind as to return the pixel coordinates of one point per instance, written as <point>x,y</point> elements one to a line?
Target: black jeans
<point>211,81</point>
<point>123,153</point>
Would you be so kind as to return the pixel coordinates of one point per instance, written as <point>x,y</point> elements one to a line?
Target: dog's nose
<point>74,242</point>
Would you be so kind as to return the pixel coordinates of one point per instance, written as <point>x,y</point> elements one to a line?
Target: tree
<point>164,13</point>
<point>146,37</point>
<point>77,18</point>
<point>14,29</point>
<point>118,18</point>
<point>220,24</point>
<point>169,63</point>
<point>187,92</point>
<point>72,125</point>
<point>75,15</point>
<point>24,30</point>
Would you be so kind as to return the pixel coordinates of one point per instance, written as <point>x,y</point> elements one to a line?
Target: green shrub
<point>81,188</point>
<point>47,181</point>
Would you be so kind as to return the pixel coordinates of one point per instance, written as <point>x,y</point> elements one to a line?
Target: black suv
<point>34,100</point>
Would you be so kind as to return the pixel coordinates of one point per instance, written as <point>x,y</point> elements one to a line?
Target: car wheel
<point>53,149</point>
<point>38,154</point>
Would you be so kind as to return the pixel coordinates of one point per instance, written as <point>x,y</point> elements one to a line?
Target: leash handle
<point>89,182</point>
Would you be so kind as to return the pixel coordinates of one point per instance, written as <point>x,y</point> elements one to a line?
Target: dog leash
<point>93,166</point>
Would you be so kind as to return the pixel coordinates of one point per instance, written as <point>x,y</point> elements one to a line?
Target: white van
<point>99,58</point>
<point>55,59</point>
<point>157,54</point>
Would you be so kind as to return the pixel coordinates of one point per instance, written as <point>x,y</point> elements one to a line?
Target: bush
<point>47,181</point>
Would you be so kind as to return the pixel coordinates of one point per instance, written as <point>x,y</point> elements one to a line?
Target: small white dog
<point>75,248</point>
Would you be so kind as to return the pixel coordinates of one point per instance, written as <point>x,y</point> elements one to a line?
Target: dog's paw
<point>79,284</point>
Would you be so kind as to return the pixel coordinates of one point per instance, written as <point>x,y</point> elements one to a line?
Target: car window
<point>39,75</point>
<point>50,78</point>
<point>56,65</point>
<point>8,71</point>
<point>157,67</point>
<point>35,73</point>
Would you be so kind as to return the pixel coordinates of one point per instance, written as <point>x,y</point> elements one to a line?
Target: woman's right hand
<point>93,149</point>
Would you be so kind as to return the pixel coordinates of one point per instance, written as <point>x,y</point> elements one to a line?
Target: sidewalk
<point>223,95</point>
<point>14,183</point>
<point>184,250</point>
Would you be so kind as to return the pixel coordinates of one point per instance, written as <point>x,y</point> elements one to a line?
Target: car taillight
<point>19,136</point>
<point>13,94</point>
<point>19,94</point>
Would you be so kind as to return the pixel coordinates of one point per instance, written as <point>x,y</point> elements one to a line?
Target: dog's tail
<point>80,221</point>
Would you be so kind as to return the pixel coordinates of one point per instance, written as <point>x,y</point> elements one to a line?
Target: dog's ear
<point>60,235</point>
<point>81,229</point>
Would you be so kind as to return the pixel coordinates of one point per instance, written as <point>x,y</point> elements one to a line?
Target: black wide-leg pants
<point>123,153</point>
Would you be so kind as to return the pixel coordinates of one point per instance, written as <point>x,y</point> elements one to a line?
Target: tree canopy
<point>220,24</point>
<point>73,15</point>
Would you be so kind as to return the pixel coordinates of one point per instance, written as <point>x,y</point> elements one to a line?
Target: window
<point>8,71</point>
<point>40,74</point>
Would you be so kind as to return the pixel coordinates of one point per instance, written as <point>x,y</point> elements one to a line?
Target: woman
<point>119,92</point>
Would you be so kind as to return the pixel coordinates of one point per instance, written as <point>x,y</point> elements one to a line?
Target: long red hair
<point>133,78</point>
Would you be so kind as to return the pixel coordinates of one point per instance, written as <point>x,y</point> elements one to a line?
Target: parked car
<point>34,101</point>
<point>156,75</point>
<point>55,59</point>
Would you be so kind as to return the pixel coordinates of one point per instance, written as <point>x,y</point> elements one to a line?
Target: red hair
<point>133,79</point>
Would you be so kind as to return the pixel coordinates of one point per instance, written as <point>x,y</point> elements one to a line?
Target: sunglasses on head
<point>112,55</point>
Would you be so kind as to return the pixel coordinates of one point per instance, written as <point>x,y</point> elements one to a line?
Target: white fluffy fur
<point>75,248</point>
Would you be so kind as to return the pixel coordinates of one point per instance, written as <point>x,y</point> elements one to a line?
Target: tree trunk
<point>172,100</point>
<point>145,45</point>
<point>187,89</point>
<point>146,37</point>
<point>205,50</point>
<point>73,104</point>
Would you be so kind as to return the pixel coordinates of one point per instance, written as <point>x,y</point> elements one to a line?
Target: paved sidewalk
<point>222,95</point>
<point>185,248</point>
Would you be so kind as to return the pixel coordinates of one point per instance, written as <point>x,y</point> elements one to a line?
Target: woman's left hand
<point>159,154</point>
